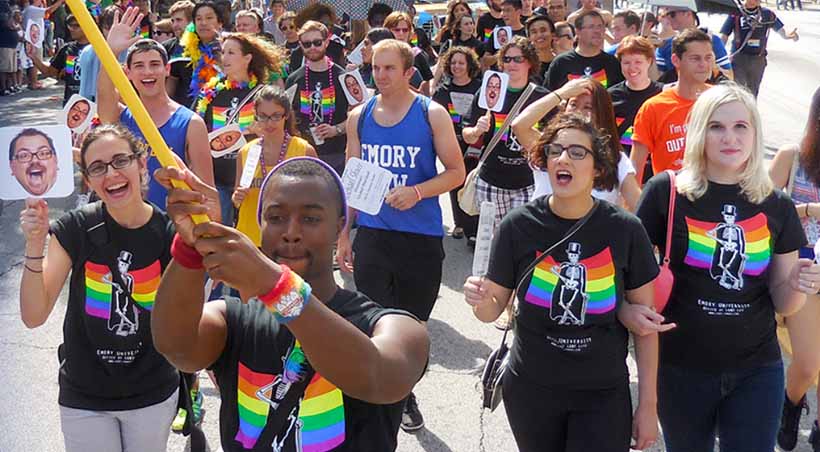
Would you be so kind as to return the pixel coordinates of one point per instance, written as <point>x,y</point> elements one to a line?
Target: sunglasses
<point>400,30</point>
<point>314,43</point>
<point>120,161</point>
<point>575,151</point>
<point>509,59</point>
<point>288,27</point>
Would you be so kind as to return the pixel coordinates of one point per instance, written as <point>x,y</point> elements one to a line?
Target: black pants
<point>562,420</point>
<point>462,220</point>
<point>398,269</point>
<point>749,70</point>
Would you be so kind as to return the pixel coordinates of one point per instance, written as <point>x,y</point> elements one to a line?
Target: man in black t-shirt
<point>64,66</point>
<point>320,105</point>
<point>511,16</point>
<point>265,363</point>
<point>488,21</point>
<point>587,60</point>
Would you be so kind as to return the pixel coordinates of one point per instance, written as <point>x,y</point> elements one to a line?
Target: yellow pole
<point>127,92</point>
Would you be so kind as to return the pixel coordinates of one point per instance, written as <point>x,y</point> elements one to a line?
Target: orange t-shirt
<point>660,125</point>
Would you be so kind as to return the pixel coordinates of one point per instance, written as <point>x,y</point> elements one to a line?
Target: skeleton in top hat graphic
<point>569,298</point>
<point>123,316</point>
<point>730,259</point>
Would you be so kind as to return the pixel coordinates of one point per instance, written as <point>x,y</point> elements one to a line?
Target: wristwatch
<point>339,129</point>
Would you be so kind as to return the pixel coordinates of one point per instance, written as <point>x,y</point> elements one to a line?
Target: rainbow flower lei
<point>217,84</point>
<point>203,58</point>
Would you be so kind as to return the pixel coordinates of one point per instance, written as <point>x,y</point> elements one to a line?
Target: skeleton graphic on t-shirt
<point>123,317</point>
<point>294,427</point>
<point>316,115</point>
<point>569,298</point>
<point>730,259</point>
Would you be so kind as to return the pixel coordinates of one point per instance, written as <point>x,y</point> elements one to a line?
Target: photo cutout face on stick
<point>226,140</point>
<point>40,162</point>
<point>35,33</point>
<point>493,91</point>
<point>354,87</point>
<point>501,36</point>
<point>78,113</point>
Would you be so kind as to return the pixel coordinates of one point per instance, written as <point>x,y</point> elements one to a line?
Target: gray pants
<point>140,430</point>
<point>748,70</point>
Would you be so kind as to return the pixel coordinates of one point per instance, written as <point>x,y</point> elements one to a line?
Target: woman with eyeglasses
<point>247,61</point>
<point>462,70</point>
<point>112,382</point>
<point>279,141</point>
<point>591,100</point>
<point>734,257</point>
<point>287,25</point>
<point>566,387</point>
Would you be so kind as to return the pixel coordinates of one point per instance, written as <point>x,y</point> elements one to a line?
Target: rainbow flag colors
<point>145,31</point>
<point>253,413</point>
<point>499,121</point>
<point>70,62</point>
<point>97,292</point>
<point>701,249</point>
<point>626,138</point>
<point>328,102</point>
<point>488,34</point>
<point>599,76</point>
<point>244,119</point>
<point>600,283</point>
<point>322,416</point>
<point>453,113</point>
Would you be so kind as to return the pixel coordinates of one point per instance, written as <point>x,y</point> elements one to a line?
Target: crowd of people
<point>571,123</point>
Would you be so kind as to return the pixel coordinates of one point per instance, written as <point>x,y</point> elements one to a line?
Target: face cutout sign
<point>226,140</point>
<point>39,162</point>
<point>78,113</point>
<point>354,87</point>
<point>35,33</point>
<point>493,91</point>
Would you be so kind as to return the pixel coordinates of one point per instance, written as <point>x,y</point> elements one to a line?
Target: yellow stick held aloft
<point>129,95</point>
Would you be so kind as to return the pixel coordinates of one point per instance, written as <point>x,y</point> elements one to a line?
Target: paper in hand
<point>366,185</point>
<point>251,161</point>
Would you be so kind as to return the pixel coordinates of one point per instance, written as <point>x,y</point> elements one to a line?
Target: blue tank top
<point>174,132</point>
<point>407,151</point>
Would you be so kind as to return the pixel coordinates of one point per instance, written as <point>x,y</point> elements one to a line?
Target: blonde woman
<point>735,261</point>
<point>803,332</point>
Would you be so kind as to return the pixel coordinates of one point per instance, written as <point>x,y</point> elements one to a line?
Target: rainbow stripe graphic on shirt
<point>244,119</point>
<point>453,113</point>
<point>253,413</point>
<point>70,61</point>
<point>702,247</point>
<point>499,121</point>
<point>600,284</point>
<point>414,40</point>
<point>98,291</point>
<point>599,77</point>
<point>488,34</point>
<point>626,138</point>
<point>145,31</point>
<point>328,102</point>
<point>322,415</point>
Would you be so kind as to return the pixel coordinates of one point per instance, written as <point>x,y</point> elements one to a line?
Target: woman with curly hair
<point>462,72</point>
<point>279,140</point>
<point>802,163</point>
<point>568,358</point>
<point>591,100</point>
<point>247,61</point>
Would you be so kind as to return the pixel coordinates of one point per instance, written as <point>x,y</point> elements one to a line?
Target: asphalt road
<point>448,394</point>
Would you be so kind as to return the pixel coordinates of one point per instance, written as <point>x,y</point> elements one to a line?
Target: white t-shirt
<point>543,186</point>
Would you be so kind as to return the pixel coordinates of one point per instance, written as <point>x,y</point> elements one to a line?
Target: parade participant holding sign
<point>247,62</point>
<point>65,64</point>
<point>147,67</point>
<point>282,354</point>
<point>399,251</point>
<point>320,103</point>
<point>568,359</point>
<point>116,391</point>
<point>505,178</point>
<point>461,66</point>
<point>735,264</point>
<point>275,124</point>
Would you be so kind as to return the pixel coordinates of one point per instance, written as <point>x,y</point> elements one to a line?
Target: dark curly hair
<point>473,66</point>
<point>605,163</point>
<point>527,50</point>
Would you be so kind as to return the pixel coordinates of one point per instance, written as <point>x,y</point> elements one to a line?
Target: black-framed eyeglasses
<point>509,59</point>
<point>575,151</point>
<point>26,156</point>
<point>120,161</point>
<point>276,117</point>
<point>287,27</point>
<point>314,43</point>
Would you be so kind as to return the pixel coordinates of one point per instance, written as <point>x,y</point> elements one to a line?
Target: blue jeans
<point>225,204</point>
<point>742,407</point>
